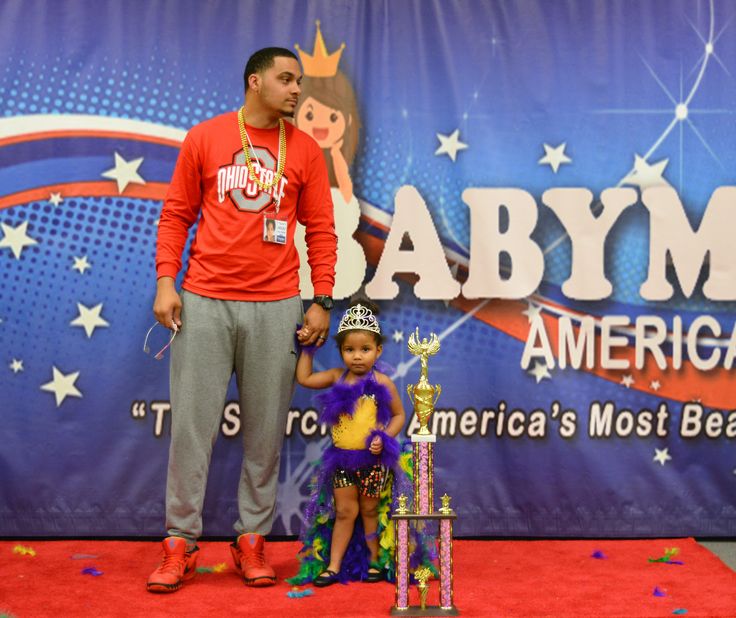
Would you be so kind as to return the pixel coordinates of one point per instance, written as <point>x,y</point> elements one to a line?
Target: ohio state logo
<point>233,181</point>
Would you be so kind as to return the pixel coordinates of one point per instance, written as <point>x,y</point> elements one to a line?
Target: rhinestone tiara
<point>359,317</point>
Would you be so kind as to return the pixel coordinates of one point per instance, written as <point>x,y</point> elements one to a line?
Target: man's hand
<point>167,306</point>
<point>316,326</point>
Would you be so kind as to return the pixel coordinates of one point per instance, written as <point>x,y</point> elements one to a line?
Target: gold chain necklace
<point>263,186</point>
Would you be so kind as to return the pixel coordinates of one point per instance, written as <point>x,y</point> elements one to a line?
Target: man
<point>240,303</point>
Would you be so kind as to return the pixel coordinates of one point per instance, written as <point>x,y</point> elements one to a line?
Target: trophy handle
<point>438,390</point>
<point>410,391</point>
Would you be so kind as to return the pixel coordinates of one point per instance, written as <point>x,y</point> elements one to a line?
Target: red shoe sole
<point>163,588</point>
<point>260,582</point>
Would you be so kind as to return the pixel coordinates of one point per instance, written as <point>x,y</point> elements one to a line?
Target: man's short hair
<point>263,60</point>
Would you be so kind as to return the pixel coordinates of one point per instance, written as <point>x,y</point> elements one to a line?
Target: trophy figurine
<point>422,575</point>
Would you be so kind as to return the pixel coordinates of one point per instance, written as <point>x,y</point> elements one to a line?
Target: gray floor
<point>725,550</point>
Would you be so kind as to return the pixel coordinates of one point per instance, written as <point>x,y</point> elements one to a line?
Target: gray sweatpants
<point>218,337</point>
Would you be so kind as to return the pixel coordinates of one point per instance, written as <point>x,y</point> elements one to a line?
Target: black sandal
<point>374,577</point>
<point>325,578</point>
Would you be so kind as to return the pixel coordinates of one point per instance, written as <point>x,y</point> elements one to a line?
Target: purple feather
<point>91,571</point>
<point>342,397</point>
<point>391,449</point>
<point>598,554</point>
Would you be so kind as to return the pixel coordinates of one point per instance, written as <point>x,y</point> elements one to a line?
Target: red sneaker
<point>250,561</point>
<point>178,566</point>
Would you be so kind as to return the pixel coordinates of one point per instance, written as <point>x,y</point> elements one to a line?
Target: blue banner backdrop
<point>530,95</point>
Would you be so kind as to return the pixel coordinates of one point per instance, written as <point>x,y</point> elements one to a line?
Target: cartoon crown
<point>359,317</point>
<point>320,63</point>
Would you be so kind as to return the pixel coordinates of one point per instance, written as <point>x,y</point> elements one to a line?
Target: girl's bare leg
<point>369,514</point>
<point>346,511</point>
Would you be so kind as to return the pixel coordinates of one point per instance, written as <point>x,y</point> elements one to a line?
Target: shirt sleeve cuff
<point>322,289</point>
<point>167,270</point>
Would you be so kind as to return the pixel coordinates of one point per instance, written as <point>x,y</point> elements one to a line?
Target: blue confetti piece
<point>680,611</point>
<point>298,594</point>
<point>659,593</point>
<point>598,555</point>
<point>91,571</point>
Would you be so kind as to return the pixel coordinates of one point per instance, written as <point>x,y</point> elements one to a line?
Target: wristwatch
<point>325,302</point>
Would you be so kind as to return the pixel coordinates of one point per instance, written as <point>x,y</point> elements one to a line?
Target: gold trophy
<point>423,397</point>
<point>424,394</point>
<point>422,575</point>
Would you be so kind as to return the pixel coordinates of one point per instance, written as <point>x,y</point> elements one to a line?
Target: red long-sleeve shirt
<point>229,259</point>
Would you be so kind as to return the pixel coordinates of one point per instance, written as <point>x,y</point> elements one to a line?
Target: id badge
<point>274,230</point>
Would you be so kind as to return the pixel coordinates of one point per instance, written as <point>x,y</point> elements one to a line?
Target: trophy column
<point>423,446</point>
<point>402,562</point>
<point>446,582</point>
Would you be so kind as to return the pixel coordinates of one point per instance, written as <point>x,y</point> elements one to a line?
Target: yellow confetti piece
<point>219,568</point>
<point>24,551</point>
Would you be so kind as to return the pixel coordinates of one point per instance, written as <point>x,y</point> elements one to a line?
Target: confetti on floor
<point>598,555</point>
<point>217,568</point>
<point>83,557</point>
<point>295,593</point>
<point>92,571</point>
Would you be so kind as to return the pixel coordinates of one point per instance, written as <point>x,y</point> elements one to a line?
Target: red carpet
<point>492,578</point>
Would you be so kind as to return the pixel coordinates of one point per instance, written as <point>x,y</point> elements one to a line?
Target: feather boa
<point>342,397</point>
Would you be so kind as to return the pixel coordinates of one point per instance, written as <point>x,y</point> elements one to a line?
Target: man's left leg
<point>265,363</point>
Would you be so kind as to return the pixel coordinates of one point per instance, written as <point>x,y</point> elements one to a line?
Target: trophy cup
<point>423,396</point>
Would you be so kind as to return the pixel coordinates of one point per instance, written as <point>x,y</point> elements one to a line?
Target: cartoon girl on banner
<point>328,111</point>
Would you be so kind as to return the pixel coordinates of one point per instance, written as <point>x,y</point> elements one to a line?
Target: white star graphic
<point>290,502</point>
<point>56,199</point>
<point>540,372</point>
<point>398,336</point>
<point>89,318</point>
<point>655,385</point>
<point>16,365</point>
<point>662,456</point>
<point>532,312</point>
<point>81,264</point>
<point>645,175</point>
<point>627,381</point>
<point>125,172</point>
<point>62,386</point>
<point>450,144</point>
<point>554,156</point>
<point>16,238</point>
